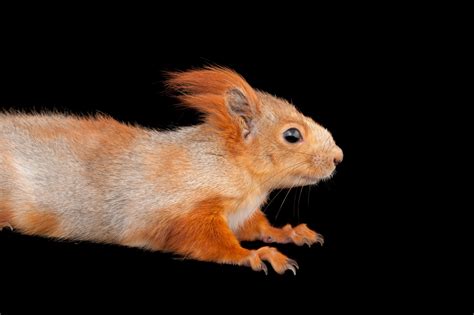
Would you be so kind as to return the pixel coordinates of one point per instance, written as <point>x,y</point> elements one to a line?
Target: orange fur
<point>206,91</point>
<point>194,191</point>
<point>153,235</point>
<point>5,214</point>
<point>78,129</point>
<point>38,222</point>
<point>112,145</point>
<point>50,132</point>
<point>252,229</point>
<point>141,236</point>
<point>174,161</point>
<point>5,208</point>
<point>204,235</point>
<point>258,228</point>
<point>111,138</point>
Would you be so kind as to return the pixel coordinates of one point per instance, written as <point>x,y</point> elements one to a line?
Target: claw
<point>279,262</point>
<point>6,225</point>
<point>320,239</point>
<point>292,268</point>
<point>293,263</point>
<point>264,269</point>
<point>268,239</point>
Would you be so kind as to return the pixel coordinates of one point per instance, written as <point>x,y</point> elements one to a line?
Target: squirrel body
<point>195,191</point>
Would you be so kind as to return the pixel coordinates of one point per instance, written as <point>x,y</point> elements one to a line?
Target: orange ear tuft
<point>209,82</point>
<point>207,90</point>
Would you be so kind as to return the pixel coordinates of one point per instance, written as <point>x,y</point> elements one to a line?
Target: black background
<point>357,80</point>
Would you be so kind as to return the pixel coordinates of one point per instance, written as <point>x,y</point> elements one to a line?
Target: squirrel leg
<point>203,234</point>
<point>258,228</point>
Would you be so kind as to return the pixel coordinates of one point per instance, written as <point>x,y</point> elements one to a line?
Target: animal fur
<point>195,191</point>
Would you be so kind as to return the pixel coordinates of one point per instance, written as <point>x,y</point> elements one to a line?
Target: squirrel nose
<point>338,156</point>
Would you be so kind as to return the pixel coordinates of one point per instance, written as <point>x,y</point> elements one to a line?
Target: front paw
<point>279,262</point>
<point>301,235</point>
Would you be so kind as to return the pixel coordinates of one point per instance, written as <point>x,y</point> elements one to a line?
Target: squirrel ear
<point>241,109</point>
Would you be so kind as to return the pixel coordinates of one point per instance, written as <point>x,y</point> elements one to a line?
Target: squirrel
<point>196,191</point>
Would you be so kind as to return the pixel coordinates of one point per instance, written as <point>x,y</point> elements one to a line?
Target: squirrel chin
<point>312,180</point>
<point>305,180</point>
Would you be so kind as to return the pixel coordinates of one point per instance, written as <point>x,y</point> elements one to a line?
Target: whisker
<point>299,200</point>
<point>294,166</point>
<point>283,170</point>
<point>294,205</point>
<point>274,197</point>
<point>273,176</point>
<point>309,193</point>
<point>279,192</point>
<point>281,206</point>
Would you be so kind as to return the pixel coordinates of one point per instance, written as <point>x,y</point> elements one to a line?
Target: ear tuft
<point>228,102</point>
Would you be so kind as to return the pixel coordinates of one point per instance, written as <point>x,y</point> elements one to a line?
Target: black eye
<point>292,135</point>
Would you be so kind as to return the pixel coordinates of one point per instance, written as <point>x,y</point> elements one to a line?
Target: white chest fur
<point>244,210</point>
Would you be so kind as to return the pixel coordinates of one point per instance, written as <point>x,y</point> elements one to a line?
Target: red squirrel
<point>196,191</point>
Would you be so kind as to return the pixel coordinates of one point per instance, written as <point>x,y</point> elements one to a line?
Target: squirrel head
<point>267,135</point>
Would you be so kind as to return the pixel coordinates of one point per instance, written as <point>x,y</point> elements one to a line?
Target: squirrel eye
<point>292,135</point>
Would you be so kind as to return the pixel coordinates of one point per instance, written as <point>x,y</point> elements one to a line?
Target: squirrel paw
<point>301,235</point>
<point>279,262</point>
